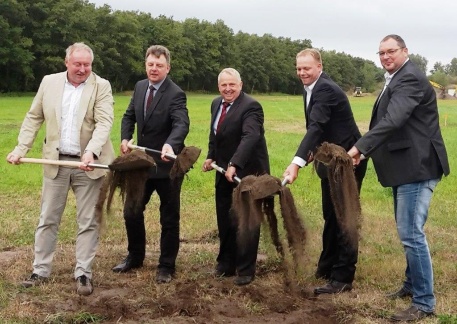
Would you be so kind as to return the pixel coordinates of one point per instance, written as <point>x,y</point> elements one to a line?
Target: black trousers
<point>337,260</point>
<point>169,192</point>
<point>231,257</point>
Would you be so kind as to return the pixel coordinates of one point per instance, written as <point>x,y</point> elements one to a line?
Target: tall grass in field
<point>381,261</point>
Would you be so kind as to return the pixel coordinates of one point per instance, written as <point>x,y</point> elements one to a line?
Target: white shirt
<point>309,89</point>
<point>69,135</point>
<point>388,77</point>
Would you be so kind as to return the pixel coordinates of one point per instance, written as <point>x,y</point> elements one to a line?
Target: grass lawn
<point>381,260</point>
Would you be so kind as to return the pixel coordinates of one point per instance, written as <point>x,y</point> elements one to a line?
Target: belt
<point>70,156</point>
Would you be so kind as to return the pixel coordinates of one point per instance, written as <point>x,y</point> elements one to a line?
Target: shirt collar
<point>69,83</point>
<point>389,77</point>
<point>156,85</point>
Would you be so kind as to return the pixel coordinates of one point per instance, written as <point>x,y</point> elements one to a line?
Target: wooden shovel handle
<point>75,164</point>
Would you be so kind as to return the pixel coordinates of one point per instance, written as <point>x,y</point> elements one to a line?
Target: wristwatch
<point>231,164</point>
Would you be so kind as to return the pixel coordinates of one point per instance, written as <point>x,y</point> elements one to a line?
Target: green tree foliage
<point>420,61</point>
<point>36,33</point>
<point>15,48</point>
<point>441,78</point>
<point>438,67</point>
<point>451,68</point>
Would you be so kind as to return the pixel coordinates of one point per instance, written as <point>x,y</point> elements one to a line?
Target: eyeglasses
<point>389,53</point>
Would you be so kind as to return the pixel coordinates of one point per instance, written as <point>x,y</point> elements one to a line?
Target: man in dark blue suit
<point>329,119</point>
<point>158,108</point>
<point>409,155</point>
<point>237,144</point>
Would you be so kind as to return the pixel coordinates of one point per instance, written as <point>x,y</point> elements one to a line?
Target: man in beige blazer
<point>77,107</point>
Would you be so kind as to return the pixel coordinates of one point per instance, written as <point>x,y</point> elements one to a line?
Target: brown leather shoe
<point>401,293</point>
<point>411,314</point>
<point>333,287</point>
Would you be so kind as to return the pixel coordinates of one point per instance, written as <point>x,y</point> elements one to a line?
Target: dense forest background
<point>35,34</point>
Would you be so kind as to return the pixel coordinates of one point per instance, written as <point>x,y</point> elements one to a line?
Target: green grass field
<point>381,262</point>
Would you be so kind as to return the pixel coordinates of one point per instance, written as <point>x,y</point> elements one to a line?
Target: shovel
<point>259,186</point>
<point>123,163</point>
<point>222,170</point>
<point>183,161</point>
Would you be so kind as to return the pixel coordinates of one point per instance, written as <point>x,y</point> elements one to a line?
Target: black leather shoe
<point>163,277</point>
<point>128,264</point>
<point>243,280</point>
<point>411,314</point>
<point>224,273</point>
<point>401,293</point>
<point>321,275</point>
<point>333,287</point>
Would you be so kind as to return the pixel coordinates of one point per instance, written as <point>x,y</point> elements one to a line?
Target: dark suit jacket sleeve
<point>180,121</point>
<point>129,118</point>
<point>212,137</point>
<point>324,99</point>
<point>404,98</point>
<point>252,121</point>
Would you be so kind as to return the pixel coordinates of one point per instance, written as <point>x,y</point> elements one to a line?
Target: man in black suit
<point>329,118</point>
<point>158,108</point>
<point>409,155</point>
<point>237,144</point>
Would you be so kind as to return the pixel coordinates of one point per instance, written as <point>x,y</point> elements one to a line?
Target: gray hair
<point>230,71</point>
<point>77,47</point>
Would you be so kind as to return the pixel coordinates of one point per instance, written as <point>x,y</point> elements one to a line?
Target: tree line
<point>35,34</point>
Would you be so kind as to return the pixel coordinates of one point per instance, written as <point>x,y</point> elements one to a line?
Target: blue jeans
<point>411,204</point>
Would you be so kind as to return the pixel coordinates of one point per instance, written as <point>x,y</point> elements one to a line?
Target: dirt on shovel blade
<point>185,161</point>
<point>128,173</point>
<point>343,189</point>
<point>132,161</point>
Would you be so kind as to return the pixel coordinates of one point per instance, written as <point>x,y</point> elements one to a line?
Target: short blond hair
<point>314,52</point>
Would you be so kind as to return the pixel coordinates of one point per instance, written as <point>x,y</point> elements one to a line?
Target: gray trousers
<point>53,201</point>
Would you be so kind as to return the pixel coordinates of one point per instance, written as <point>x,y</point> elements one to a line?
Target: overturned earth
<point>194,296</point>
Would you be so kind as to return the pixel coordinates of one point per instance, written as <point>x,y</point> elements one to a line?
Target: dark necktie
<point>150,96</point>
<point>225,105</point>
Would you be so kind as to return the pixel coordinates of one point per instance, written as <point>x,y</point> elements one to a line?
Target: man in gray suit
<point>409,155</point>
<point>77,107</point>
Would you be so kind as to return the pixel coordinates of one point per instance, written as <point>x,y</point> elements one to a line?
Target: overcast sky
<point>355,27</point>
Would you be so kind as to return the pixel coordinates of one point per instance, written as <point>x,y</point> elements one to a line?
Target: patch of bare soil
<point>194,296</point>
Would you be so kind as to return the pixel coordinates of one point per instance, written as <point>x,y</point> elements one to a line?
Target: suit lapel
<point>85,98</point>
<point>214,111</point>
<point>232,110</point>
<point>59,86</point>
<point>156,99</point>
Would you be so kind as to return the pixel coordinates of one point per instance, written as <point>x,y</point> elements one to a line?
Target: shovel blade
<point>135,160</point>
